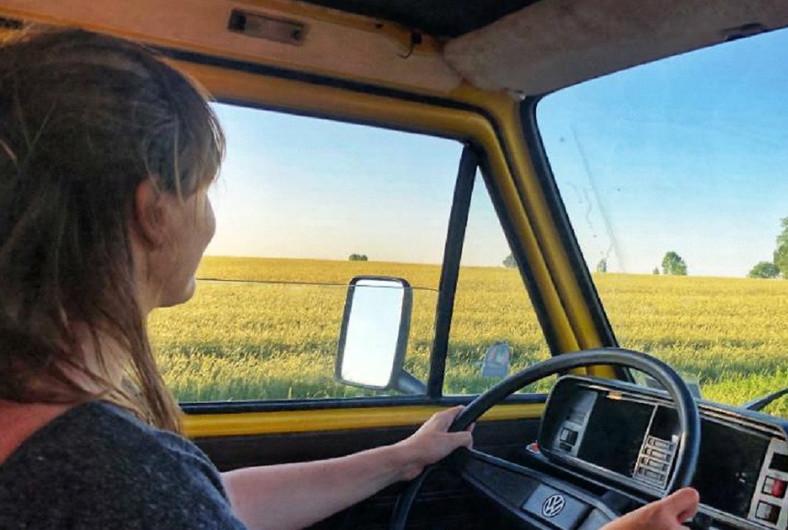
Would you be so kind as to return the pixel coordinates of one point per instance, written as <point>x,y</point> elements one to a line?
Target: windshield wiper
<point>759,403</point>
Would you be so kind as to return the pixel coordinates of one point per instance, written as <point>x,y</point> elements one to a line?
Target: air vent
<point>655,461</point>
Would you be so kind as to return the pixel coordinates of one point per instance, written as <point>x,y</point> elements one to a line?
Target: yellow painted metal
<point>584,331</point>
<point>577,312</point>
<point>206,425</point>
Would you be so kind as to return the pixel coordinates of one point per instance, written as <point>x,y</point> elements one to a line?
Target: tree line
<point>674,265</point>
<point>778,267</point>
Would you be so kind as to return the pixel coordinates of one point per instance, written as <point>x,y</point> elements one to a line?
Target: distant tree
<point>509,262</point>
<point>602,265</point>
<point>358,257</point>
<point>781,252</point>
<point>655,271</point>
<point>673,264</point>
<point>764,269</point>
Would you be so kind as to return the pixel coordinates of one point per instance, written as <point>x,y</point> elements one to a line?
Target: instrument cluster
<point>630,435</point>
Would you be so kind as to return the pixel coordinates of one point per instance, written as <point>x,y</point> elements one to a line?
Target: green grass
<point>730,334</point>
<point>239,340</point>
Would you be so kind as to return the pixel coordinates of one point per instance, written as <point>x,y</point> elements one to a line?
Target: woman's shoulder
<point>109,427</point>
<point>95,431</point>
<point>98,465</point>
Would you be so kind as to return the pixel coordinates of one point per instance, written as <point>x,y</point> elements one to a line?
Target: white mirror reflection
<point>372,333</point>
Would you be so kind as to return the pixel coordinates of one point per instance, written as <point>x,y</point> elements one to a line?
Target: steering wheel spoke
<point>528,495</point>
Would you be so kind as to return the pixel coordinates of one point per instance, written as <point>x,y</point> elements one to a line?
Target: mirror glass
<point>372,332</point>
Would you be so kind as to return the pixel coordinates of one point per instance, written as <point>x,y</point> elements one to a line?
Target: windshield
<point>673,175</point>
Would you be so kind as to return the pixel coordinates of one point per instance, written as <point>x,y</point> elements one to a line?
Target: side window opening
<point>304,205</point>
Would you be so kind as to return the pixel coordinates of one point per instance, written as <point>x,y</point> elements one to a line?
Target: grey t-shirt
<point>96,466</point>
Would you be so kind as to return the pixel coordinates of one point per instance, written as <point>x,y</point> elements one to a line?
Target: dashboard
<point>628,437</point>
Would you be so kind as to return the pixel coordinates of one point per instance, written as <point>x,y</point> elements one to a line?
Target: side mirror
<point>374,335</point>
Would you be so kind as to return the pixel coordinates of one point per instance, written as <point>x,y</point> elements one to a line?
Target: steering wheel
<point>500,480</point>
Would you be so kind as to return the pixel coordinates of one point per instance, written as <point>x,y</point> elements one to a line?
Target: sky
<point>687,155</point>
<point>301,187</point>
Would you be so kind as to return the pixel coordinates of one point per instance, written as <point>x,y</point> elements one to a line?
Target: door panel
<point>445,502</point>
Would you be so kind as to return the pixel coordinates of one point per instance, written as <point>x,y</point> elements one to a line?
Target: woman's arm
<point>296,495</point>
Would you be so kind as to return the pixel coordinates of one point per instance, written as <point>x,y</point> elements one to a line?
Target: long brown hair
<point>84,118</point>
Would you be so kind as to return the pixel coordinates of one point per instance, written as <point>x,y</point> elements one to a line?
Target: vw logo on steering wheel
<point>553,505</point>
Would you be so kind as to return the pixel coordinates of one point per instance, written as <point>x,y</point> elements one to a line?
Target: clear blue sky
<point>308,188</point>
<point>689,155</point>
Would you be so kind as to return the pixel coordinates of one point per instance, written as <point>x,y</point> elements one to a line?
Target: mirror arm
<point>407,383</point>
<point>759,403</point>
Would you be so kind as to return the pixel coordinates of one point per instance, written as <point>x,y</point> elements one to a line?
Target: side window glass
<point>494,331</point>
<point>304,205</point>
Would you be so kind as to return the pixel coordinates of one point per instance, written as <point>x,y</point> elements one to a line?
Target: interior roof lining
<point>431,16</point>
<point>570,41</point>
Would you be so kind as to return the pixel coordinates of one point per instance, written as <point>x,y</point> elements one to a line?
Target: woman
<point>106,154</point>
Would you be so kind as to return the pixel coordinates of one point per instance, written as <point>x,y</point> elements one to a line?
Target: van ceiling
<point>438,18</point>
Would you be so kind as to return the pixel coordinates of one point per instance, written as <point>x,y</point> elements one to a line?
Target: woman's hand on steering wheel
<point>432,442</point>
<point>664,514</point>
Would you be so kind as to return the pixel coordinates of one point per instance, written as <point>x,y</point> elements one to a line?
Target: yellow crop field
<point>272,332</point>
